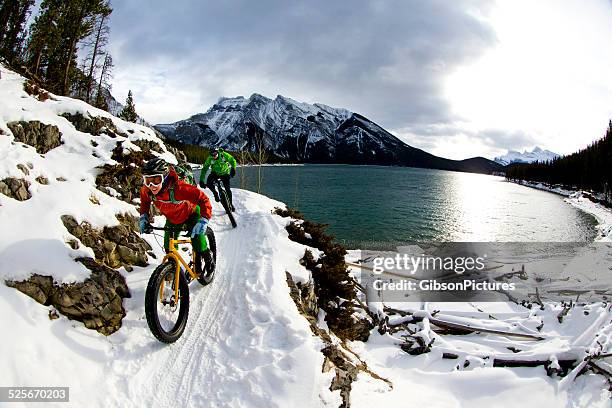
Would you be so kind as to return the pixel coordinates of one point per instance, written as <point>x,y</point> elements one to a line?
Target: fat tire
<point>152,298</point>
<point>212,245</point>
<point>226,206</point>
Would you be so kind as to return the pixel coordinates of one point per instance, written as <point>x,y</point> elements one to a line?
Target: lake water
<point>376,207</point>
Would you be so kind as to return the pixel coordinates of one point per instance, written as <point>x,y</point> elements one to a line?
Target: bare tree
<point>99,42</point>
<point>245,158</point>
<point>103,83</point>
<point>261,155</point>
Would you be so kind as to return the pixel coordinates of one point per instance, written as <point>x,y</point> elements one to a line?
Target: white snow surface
<point>35,225</point>
<point>245,344</point>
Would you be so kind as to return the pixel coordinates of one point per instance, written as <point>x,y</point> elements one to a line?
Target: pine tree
<point>129,110</point>
<point>45,35</point>
<point>56,35</point>
<point>13,17</point>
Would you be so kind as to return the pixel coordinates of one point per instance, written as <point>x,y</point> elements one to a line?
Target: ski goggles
<point>153,180</point>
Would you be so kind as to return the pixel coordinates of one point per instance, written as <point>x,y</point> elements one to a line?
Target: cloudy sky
<point>456,78</point>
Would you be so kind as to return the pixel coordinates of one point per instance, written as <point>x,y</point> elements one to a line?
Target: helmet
<point>155,166</point>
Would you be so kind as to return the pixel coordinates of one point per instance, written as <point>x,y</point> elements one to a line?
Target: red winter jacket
<point>186,197</point>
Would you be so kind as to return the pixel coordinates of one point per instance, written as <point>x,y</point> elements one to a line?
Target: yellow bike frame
<point>178,261</point>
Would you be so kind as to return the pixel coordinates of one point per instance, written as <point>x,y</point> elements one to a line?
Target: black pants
<point>226,184</point>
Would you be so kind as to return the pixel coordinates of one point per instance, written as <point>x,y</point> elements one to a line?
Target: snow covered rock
<point>15,188</point>
<point>95,125</point>
<point>114,246</point>
<point>36,134</point>
<point>97,302</point>
<point>69,234</point>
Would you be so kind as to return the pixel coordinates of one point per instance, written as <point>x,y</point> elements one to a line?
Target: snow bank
<point>37,239</point>
<point>246,343</point>
<point>602,214</point>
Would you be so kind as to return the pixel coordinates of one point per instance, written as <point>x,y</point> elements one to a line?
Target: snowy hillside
<point>247,343</point>
<point>536,154</point>
<point>302,132</point>
<point>282,323</point>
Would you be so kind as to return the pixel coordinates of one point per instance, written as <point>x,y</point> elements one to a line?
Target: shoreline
<point>602,215</point>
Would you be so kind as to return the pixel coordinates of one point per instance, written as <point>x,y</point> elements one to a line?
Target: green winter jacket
<point>222,166</point>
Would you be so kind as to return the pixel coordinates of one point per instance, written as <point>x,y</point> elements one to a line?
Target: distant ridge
<point>306,133</point>
<point>537,154</point>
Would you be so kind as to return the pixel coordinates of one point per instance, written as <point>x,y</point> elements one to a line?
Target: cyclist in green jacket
<point>222,166</point>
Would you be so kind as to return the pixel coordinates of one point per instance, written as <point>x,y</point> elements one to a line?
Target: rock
<point>37,287</point>
<point>15,188</point>
<point>24,169</point>
<point>115,246</point>
<point>97,302</point>
<point>124,177</point>
<point>148,145</point>
<point>36,91</point>
<point>60,179</point>
<point>42,180</point>
<point>53,314</point>
<point>95,125</point>
<point>36,134</point>
<point>73,243</point>
<point>117,233</point>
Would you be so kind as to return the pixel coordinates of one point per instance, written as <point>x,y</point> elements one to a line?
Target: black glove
<point>202,184</point>
<point>232,172</point>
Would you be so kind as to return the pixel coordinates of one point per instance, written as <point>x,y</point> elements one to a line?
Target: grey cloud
<point>384,59</point>
<point>429,136</point>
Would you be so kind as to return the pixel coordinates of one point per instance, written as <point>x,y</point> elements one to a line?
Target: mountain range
<point>537,154</point>
<point>306,133</point>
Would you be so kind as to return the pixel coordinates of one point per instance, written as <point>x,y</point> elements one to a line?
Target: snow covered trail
<point>245,343</point>
<point>240,348</point>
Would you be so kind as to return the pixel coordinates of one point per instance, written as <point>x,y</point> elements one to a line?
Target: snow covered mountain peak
<point>537,154</point>
<point>302,132</point>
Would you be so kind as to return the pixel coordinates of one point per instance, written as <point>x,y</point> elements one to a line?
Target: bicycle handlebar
<point>152,228</point>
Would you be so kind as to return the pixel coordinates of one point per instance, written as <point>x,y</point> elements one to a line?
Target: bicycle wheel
<point>226,205</point>
<point>205,278</point>
<point>166,316</point>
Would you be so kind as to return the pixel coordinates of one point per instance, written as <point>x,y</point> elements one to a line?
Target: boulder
<point>97,302</point>
<point>36,134</point>
<point>23,169</point>
<point>124,177</point>
<point>115,246</point>
<point>94,125</point>
<point>15,188</point>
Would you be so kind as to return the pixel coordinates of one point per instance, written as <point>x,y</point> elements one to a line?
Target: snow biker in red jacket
<point>185,207</point>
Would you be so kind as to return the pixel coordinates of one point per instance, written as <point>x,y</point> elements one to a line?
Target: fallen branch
<point>563,313</point>
<point>457,326</point>
<point>503,362</point>
<point>600,370</point>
